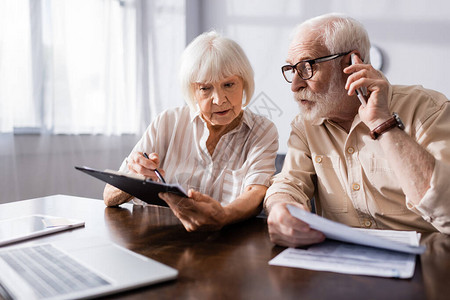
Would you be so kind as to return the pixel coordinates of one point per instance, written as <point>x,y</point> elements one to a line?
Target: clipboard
<point>135,185</point>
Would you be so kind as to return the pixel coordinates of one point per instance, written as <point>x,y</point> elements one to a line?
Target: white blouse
<point>244,156</point>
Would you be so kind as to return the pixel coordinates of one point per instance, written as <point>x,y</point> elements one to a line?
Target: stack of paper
<point>385,253</point>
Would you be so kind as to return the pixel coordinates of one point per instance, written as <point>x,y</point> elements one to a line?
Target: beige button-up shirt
<point>349,176</point>
<point>244,156</point>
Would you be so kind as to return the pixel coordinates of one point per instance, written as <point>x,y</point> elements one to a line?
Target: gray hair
<point>339,33</point>
<point>209,58</point>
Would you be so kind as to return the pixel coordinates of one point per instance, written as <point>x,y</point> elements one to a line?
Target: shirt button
<point>409,205</point>
<point>350,150</point>
<point>355,187</point>
<point>367,223</point>
<point>318,159</point>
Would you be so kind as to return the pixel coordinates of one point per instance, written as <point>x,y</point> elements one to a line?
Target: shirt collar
<point>318,122</point>
<point>194,114</point>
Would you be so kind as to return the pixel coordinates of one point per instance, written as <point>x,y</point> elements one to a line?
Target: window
<point>87,66</point>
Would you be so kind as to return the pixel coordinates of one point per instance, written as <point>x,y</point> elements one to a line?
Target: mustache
<point>306,95</point>
<point>332,92</point>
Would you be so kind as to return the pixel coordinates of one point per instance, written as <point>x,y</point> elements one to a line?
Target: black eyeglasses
<point>304,68</point>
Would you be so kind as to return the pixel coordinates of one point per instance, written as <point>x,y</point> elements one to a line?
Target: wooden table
<point>231,263</point>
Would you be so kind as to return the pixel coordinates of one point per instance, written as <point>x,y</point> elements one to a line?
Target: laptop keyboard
<point>51,272</point>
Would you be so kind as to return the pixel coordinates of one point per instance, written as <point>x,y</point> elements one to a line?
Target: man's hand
<point>286,230</point>
<point>365,76</point>
<point>413,165</point>
<point>199,212</point>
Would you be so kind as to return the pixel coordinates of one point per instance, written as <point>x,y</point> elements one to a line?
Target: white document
<point>365,251</point>
<point>345,258</point>
<point>400,241</point>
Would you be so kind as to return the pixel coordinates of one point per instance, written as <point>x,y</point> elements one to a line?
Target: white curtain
<point>14,43</point>
<point>88,66</point>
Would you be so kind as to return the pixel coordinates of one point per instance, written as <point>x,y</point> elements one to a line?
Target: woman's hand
<point>199,212</point>
<point>138,164</point>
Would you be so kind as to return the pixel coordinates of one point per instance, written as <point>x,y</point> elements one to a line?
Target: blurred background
<point>80,80</point>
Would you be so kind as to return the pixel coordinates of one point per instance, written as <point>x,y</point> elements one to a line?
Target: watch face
<point>399,121</point>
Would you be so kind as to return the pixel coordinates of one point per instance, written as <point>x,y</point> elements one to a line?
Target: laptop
<point>74,269</point>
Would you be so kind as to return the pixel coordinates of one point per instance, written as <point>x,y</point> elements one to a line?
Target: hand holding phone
<point>359,92</point>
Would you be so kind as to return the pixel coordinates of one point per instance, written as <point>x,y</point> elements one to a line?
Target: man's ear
<point>348,58</point>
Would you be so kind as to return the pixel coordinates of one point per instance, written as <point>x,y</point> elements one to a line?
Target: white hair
<point>209,58</point>
<point>339,34</point>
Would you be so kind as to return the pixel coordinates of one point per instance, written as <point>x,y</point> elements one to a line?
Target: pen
<point>155,170</point>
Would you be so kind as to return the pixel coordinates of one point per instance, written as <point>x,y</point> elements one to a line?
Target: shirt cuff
<point>296,196</point>
<point>434,207</point>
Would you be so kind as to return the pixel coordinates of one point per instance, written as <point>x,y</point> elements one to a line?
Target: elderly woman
<point>222,154</point>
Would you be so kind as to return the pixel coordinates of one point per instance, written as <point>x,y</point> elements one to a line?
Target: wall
<point>412,34</point>
<point>40,165</point>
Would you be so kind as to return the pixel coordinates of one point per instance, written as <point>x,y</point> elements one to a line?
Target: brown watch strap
<point>393,122</point>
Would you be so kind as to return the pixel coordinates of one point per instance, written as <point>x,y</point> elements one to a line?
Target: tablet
<point>136,185</point>
<point>30,226</point>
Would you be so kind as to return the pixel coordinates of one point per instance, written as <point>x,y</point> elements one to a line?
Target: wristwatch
<point>393,122</point>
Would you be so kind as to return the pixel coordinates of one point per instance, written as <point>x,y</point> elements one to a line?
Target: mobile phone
<point>359,91</point>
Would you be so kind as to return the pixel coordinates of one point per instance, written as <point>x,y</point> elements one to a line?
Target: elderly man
<point>381,165</point>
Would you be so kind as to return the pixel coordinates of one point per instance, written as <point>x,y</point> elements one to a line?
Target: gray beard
<point>324,104</point>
